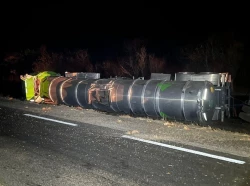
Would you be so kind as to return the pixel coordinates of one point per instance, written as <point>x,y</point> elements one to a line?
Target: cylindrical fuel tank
<point>68,92</point>
<point>100,93</point>
<point>186,100</point>
<point>207,76</point>
<point>82,93</point>
<point>180,100</point>
<point>135,97</point>
<point>183,76</point>
<point>149,97</point>
<point>55,89</point>
<point>119,95</point>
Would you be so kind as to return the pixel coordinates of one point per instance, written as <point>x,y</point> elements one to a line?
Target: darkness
<point>102,28</point>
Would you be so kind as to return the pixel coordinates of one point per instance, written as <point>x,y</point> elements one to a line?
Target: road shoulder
<point>230,137</point>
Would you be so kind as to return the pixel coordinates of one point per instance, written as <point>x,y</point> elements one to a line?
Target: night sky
<point>103,28</point>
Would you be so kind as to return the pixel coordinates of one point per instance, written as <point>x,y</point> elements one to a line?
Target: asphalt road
<point>39,152</point>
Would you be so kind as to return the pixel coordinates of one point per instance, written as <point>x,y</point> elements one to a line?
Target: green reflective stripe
<point>164,86</point>
<point>163,115</point>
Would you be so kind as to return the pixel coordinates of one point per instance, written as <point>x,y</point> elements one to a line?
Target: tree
<point>112,68</point>
<point>46,61</point>
<point>138,62</point>
<point>135,62</point>
<point>142,59</point>
<point>156,65</point>
<point>215,54</point>
<point>82,61</point>
<point>17,63</point>
<point>77,61</point>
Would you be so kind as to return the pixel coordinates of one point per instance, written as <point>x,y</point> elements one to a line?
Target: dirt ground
<point>232,136</point>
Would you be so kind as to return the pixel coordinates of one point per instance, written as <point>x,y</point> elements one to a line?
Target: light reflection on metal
<point>62,88</point>
<point>205,94</point>
<point>79,103</point>
<point>205,116</point>
<point>190,97</point>
<point>177,100</point>
<point>50,85</point>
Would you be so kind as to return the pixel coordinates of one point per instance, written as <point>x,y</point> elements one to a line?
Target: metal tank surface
<point>183,76</point>
<point>207,76</point>
<point>202,76</point>
<point>119,101</point>
<point>83,75</point>
<point>99,95</point>
<point>190,100</point>
<point>55,88</point>
<point>82,93</point>
<point>186,100</point>
<point>149,98</point>
<point>71,91</point>
<point>74,92</point>
<point>160,76</point>
<point>179,100</point>
<point>68,92</point>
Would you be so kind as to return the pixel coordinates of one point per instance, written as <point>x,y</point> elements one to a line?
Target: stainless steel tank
<point>183,76</point>
<point>82,93</point>
<point>180,100</point>
<point>135,97</point>
<point>149,98</point>
<point>207,76</point>
<point>55,89</point>
<point>68,92</point>
<point>119,95</point>
<point>99,95</point>
<point>186,100</point>
<point>82,75</point>
<point>160,76</point>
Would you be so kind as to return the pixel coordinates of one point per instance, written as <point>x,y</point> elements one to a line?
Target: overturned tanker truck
<point>201,97</point>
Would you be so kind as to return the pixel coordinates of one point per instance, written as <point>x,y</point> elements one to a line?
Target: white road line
<point>186,150</point>
<point>54,120</point>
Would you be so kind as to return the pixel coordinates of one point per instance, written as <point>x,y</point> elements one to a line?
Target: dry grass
<point>245,139</point>
<point>169,124</point>
<point>132,132</point>
<point>186,128</point>
<point>45,109</point>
